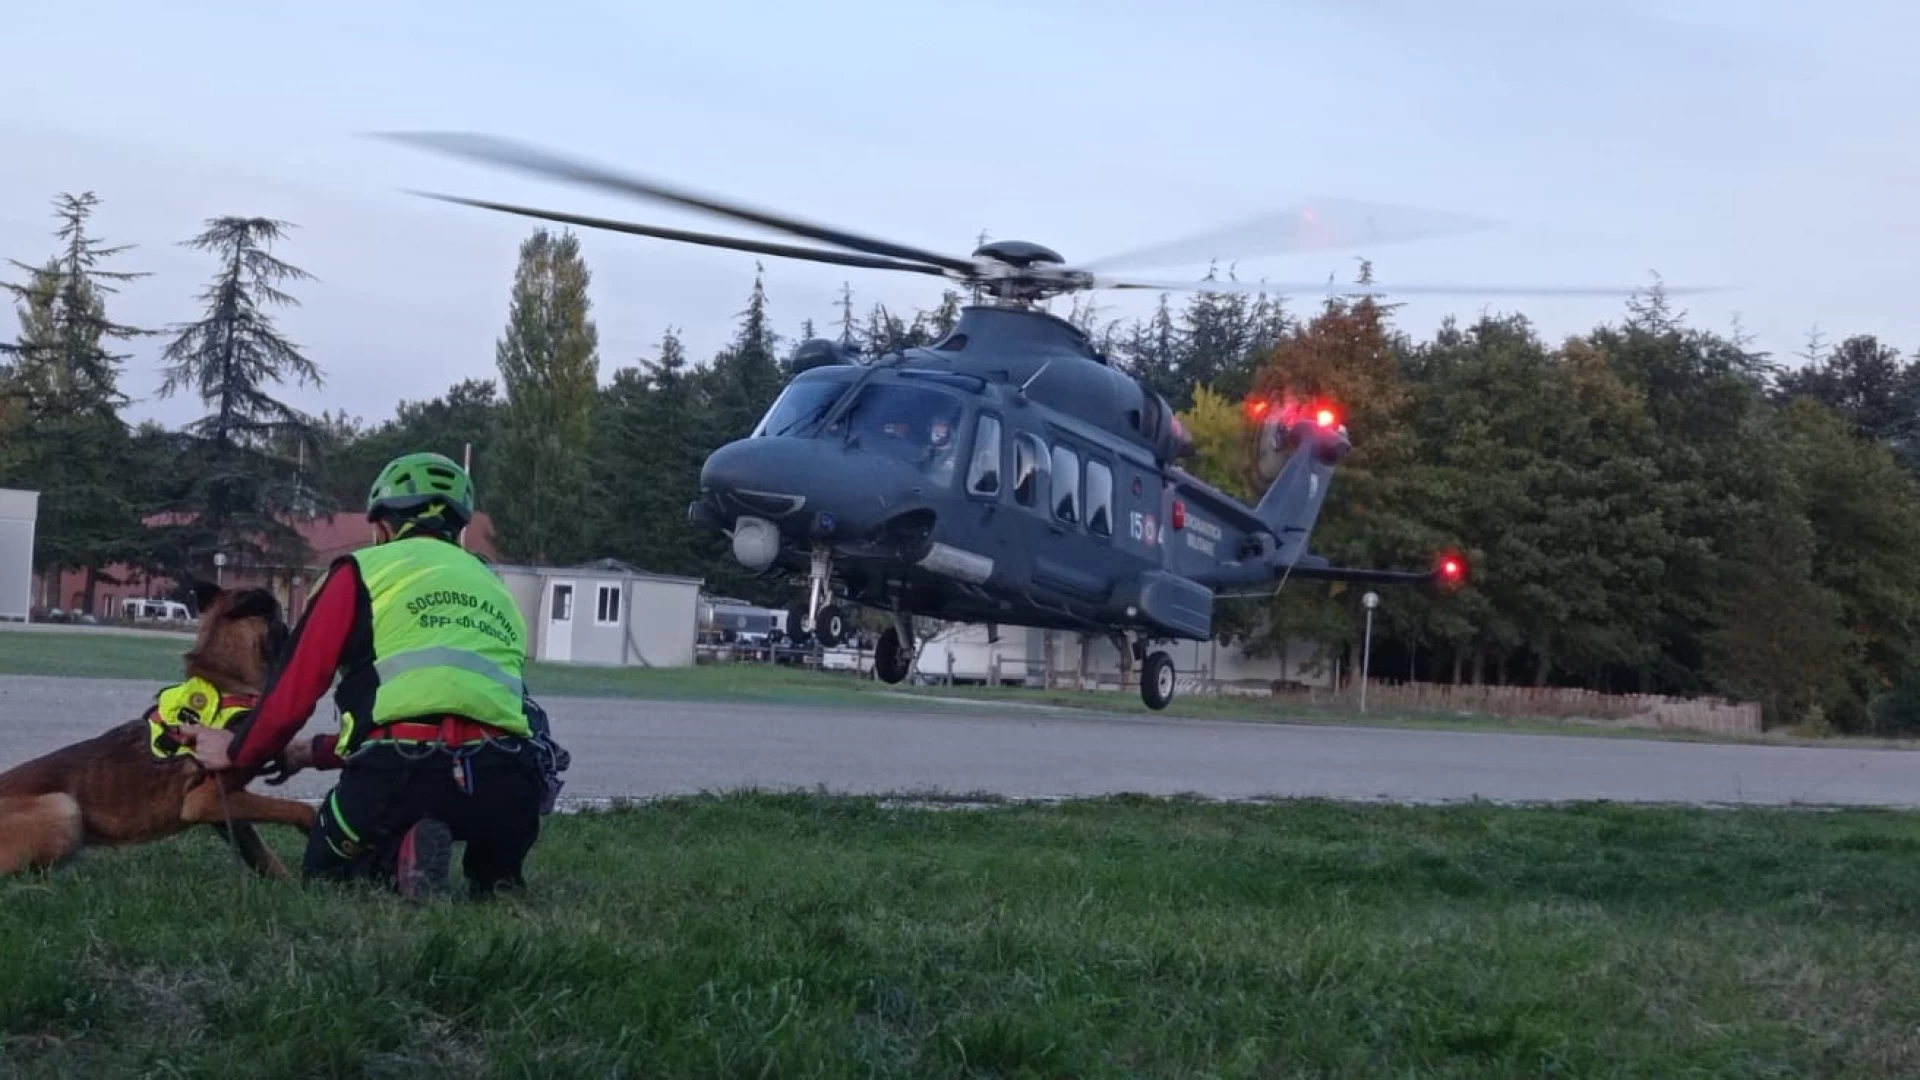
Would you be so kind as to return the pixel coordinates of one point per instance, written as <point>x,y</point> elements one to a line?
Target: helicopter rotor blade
<point>760,247</point>
<point>1318,224</point>
<point>519,156</point>
<point>1328,288</point>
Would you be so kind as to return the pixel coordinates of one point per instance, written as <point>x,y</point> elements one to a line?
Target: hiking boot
<point>426,857</point>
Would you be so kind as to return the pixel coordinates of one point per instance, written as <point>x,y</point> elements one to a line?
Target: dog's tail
<point>38,831</point>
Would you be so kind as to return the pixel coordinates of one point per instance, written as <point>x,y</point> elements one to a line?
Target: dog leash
<point>226,812</point>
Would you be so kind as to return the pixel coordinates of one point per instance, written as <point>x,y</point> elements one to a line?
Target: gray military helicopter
<point>1008,474</point>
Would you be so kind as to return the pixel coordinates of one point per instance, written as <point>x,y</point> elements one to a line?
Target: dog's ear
<point>204,594</point>
<point>255,604</point>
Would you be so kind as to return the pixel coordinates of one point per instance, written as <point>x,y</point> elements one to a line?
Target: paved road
<point>645,748</point>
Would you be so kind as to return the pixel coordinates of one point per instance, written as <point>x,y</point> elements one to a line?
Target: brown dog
<point>112,791</point>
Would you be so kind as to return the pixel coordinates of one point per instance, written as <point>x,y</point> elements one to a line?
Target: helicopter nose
<point>806,487</point>
<point>763,477</point>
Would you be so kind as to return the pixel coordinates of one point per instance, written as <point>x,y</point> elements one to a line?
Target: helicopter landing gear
<point>1157,676</point>
<point>827,621</point>
<point>830,626</point>
<point>893,655</point>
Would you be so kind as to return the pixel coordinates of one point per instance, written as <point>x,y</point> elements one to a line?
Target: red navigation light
<point>1179,518</point>
<point>1324,418</point>
<point>1453,569</point>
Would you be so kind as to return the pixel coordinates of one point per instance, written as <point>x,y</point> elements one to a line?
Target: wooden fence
<point>1707,714</point>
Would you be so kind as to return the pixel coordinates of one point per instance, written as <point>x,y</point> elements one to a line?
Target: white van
<point>144,610</point>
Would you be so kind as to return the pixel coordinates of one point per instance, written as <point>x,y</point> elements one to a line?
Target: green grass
<point>800,936</point>
<point>157,657</point>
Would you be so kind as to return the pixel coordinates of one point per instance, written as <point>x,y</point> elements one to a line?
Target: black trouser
<point>385,789</point>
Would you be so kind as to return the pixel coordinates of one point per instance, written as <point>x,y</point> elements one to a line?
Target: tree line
<point>1650,506</point>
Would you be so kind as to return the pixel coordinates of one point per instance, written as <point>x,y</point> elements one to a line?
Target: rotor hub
<point>1021,254</point>
<point>1022,272</point>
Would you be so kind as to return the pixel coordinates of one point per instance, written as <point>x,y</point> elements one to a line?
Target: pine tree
<point>747,375</point>
<point>941,319</point>
<point>1151,352</point>
<point>233,352</point>
<point>549,366</point>
<point>849,327</point>
<point>250,454</point>
<point>61,352</point>
<point>649,440</point>
<point>65,437</point>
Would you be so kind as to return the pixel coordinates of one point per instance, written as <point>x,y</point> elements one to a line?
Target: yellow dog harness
<point>195,701</point>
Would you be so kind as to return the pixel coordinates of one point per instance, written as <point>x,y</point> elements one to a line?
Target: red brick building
<point>328,537</point>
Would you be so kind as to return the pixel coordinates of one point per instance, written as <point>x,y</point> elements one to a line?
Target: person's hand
<point>210,745</point>
<point>297,756</point>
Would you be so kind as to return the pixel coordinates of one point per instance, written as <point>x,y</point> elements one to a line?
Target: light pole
<point>1369,601</point>
<point>220,567</point>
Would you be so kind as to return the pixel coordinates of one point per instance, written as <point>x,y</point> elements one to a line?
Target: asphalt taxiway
<point>640,748</point>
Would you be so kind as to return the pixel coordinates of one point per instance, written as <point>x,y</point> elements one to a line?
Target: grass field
<point>797,936</point>
<point>156,657</point>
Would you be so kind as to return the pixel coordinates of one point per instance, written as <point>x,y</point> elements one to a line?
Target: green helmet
<point>414,480</point>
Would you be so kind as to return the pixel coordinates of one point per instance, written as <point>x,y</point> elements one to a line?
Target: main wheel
<point>1156,680</point>
<point>891,660</point>
<point>830,626</point>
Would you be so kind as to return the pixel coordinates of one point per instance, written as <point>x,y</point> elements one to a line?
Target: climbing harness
<point>460,740</point>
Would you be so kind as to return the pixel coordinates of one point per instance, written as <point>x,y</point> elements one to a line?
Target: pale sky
<point>1755,144</point>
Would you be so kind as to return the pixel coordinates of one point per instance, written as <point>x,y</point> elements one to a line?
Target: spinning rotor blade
<point>1327,288</point>
<point>1314,225</point>
<point>527,159</point>
<point>760,247</point>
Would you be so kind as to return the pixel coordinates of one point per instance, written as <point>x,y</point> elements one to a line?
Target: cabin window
<point>1066,494</point>
<point>1029,469</point>
<point>1099,499</point>
<point>983,476</point>
<point>606,611</point>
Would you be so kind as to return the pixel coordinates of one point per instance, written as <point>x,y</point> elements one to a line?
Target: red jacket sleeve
<point>289,700</point>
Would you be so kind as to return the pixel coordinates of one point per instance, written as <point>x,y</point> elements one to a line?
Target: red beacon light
<point>1325,418</point>
<point>1453,569</point>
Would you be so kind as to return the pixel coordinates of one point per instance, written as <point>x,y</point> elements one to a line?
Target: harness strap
<point>450,730</point>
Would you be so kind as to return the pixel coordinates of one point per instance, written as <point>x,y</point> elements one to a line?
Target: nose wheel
<point>827,622</point>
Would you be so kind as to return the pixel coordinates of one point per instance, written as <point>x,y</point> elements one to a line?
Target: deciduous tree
<point>549,366</point>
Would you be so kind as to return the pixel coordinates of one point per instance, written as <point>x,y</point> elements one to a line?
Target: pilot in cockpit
<point>939,432</point>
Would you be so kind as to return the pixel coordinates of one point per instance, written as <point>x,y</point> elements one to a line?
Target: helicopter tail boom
<point>1292,502</point>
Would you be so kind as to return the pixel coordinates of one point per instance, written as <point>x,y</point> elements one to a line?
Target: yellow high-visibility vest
<point>195,701</point>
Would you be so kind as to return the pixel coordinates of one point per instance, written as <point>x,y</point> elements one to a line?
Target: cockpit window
<point>913,423</point>
<point>800,405</point>
<point>908,421</point>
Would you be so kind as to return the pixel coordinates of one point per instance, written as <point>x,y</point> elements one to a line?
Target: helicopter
<point>1009,474</point>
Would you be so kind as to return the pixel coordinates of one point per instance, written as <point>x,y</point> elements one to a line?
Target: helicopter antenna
<point>976,287</point>
<point>1031,379</point>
